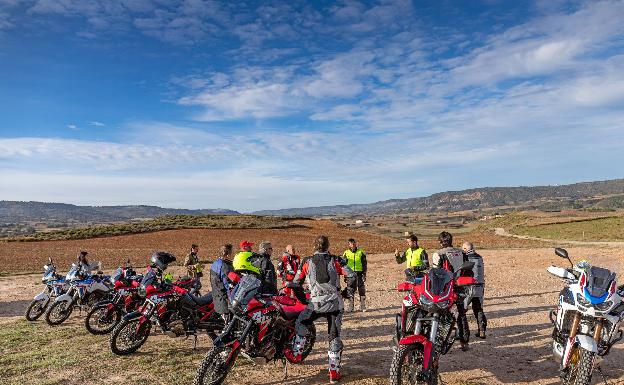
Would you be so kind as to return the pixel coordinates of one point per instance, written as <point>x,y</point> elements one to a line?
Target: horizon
<point>289,208</point>
<point>261,106</point>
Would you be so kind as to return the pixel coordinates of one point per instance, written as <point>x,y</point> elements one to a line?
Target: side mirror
<point>404,286</point>
<point>561,252</point>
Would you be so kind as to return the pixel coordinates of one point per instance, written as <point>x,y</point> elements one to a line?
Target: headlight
<point>582,301</point>
<point>604,306</point>
<point>424,300</point>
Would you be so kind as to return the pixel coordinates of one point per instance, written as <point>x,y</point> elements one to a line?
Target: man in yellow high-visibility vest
<point>415,257</point>
<point>356,261</point>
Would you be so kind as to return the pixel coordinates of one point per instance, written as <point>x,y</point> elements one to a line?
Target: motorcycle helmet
<point>242,263</point>
<point>162,259</point>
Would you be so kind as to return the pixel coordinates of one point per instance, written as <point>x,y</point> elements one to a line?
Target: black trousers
<point>358,283</point>
<point>477,309</point>
<point>462,323</point>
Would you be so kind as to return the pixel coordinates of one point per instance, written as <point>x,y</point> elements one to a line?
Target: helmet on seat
<point>162,259</point>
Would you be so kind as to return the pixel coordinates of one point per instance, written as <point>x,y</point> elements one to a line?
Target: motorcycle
<point>261,329</point>
<point>55,286</point>
<point>105,315</point>
<point>171,306</point>
<point>588,318</point>
<point>84,291</point>
<point>426,328</point>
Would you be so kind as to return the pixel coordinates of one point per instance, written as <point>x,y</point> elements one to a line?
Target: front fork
<point>584,341</point>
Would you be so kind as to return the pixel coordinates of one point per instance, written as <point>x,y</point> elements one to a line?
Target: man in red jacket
<point>288,266</point>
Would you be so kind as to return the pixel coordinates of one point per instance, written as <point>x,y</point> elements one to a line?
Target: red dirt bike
<point>105,315</point>
<point>425,329</point>
<point>173,307</point>
<point>260,331</point>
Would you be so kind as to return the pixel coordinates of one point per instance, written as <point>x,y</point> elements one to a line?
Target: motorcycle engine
<point>176,327</point>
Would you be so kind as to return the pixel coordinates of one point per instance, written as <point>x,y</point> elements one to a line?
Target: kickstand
<point>195,341</point>
<point>604,378</point>
<point>285,368</point>
<point>440,380</point>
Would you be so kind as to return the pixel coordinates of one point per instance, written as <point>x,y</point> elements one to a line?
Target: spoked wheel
<point>36,309</point>
<point>58,312</point>
<point>581,367</point>
<point>127,337</point>
<point>407,367</point>
<point>215,367</point>
<point>102,320</point>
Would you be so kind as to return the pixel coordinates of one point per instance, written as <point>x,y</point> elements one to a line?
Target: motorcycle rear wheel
<point>407,367</point>
<point>35,309</point>
<point>214,368</point>
<point>125,339</point>
<point>101,320</point>
<point>58,312</point>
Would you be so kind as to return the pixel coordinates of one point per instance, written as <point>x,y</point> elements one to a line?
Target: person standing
<point>415,257</point>
<point>288,266</point>
<point>356,261</point>
<point>478,291</point>
<point>219,281</point>
<point>193,268</point>
<point>452,258</point>
<point>267,269</point>
<point>321,272</point>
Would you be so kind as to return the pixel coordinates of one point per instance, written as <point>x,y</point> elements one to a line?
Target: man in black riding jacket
<point>452,258</point>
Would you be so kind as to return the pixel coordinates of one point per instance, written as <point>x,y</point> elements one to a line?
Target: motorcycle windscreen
<point>247,288</point>
<point>598,281</point>
<point>438,280</point>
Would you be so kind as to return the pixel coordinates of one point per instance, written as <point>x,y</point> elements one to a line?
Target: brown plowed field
<point>18,257</point>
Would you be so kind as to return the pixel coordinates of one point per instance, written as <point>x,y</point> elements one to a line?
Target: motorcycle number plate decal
<point>260,318</point>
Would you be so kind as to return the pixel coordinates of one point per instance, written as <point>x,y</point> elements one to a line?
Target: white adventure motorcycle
<point>55,286</point>
<point>587,320</point>
<point>85,290</point>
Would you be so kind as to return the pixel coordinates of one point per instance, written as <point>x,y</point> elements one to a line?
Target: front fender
<point>587,343</point>
<point>43,296</point>
<point>419,340</point>
<point>64,298</point>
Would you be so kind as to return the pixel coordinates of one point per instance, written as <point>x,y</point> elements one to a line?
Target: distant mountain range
<point>607,194</point>
<point>16,212</point>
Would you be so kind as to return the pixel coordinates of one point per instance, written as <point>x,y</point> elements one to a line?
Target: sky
<point>265,105</point>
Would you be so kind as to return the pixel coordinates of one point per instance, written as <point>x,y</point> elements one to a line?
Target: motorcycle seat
<point>291,315</point>
<point>203,300</point>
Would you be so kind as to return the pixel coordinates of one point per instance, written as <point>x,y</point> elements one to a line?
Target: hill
<point>20,212</point>
<point>607,194</point>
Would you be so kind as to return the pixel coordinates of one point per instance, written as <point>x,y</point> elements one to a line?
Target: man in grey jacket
<point>478,291</point>
<point>321,272</point>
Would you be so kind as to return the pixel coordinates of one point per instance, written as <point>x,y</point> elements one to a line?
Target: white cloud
<point>95,123</point>
<point>72,126</point>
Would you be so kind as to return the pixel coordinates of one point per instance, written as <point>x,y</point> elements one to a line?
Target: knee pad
<point>335,345</point>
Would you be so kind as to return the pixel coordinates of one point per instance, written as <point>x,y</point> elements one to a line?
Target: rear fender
<point>424,342</point>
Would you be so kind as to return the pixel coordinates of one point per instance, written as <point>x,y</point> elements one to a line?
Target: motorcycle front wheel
<point>58,312</point>
<point>36,309</point>
<point>407,367</point>
<point>102,320</point>
<point>126,337</point>
<point>215,367</point>
<point>581,368</point>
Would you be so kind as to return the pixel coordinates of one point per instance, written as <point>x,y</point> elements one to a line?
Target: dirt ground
<point>519,294</point>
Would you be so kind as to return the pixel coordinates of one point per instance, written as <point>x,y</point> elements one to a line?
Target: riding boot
<point>481,324</point>
<point>334,366</point>
<point>363,303</point>
<point>350,304</point>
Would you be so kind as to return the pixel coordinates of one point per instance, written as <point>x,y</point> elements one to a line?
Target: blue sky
<point>259,105</point>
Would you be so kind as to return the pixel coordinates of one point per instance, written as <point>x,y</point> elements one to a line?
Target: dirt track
<point>519,295</point>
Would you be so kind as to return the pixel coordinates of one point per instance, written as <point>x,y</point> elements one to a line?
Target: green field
<point>603,229</point>
<point>170,222</point>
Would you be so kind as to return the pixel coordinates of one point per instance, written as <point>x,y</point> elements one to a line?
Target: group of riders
<point>321,274</point>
